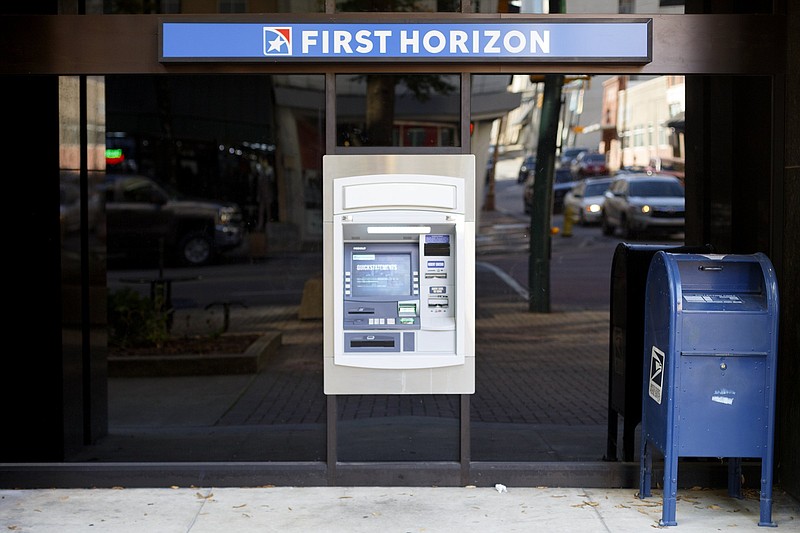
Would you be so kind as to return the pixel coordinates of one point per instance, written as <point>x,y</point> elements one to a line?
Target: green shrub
<point>135,320</point>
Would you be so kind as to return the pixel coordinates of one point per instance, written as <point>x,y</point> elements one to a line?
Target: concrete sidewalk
<point>371,509</point>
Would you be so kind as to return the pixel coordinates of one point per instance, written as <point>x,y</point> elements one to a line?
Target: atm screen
<point>380,274</point>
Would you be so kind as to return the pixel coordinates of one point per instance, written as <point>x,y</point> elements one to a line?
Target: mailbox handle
<point>705,268</point>
<point>724,354</point>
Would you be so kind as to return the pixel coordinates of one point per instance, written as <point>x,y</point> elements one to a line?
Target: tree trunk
<point>380,109</point>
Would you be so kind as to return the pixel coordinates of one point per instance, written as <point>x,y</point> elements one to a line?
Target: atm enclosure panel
<point>391,328</point>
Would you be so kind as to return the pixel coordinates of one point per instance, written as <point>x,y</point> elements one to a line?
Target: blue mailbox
<point>710,349</point>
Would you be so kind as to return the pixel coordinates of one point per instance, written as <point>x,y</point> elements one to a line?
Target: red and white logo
<point>277,41</point>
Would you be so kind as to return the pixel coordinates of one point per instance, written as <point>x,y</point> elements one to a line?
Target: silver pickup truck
<point>142,218</point>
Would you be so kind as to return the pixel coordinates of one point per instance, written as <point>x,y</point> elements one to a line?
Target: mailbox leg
<point>765,519</point>
<point>735,477</point>
<point>670,496</point>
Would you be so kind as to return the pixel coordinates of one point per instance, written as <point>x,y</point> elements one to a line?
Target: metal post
<point>464,436</point>
<point>541,211</point>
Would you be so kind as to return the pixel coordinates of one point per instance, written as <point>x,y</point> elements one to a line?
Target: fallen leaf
<point>240,506</point>
<point>210,495</point>
<point>648,504</point>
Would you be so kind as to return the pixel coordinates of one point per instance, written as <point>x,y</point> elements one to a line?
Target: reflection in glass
<point>397,110</point>
<point>406,6</point>
<point>82,225</point>
<point>149,7</point>
<point>212,198</point>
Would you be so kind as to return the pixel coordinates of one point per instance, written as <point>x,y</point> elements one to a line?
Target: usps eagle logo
<point>277,41</point>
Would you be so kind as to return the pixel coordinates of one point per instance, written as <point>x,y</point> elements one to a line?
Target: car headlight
<point>227,215</point>
<point>593,208</point>
<point>645,209</point>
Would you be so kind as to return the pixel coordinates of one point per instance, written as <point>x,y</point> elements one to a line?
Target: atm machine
<point>399,274</point>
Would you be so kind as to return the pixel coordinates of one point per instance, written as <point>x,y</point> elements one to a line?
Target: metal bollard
<point>226,312</point>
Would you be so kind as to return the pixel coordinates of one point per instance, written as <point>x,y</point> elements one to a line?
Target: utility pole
<point>542,207</point>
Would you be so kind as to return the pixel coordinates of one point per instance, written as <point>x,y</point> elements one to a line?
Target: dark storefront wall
<point>719,202</point>
<point>205,119</point>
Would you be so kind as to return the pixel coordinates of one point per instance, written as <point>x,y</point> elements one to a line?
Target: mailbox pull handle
<point>709,268</point>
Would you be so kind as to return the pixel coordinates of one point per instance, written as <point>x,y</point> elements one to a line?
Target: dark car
<point>142,218</point>
<point>644,204</point>
<point>528,165</point>
<point>568,155</point>
<point>589,164</point>
<point>562,184</point>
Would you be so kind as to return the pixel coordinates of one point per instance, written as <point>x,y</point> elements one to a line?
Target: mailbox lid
<point>722,283</point>
<point>715,282</point>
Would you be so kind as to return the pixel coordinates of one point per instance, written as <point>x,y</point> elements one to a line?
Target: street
<point>580,265</point>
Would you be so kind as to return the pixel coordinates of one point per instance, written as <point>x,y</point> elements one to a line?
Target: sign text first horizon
<point>434,41</point>
<point>591,41</point>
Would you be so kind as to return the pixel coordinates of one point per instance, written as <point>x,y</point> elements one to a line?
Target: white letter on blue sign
<point>406,41</point>
<point>542,41</point>
<point>341,42</point>
<point>491,47</point>
<point>382,35</point>
<point>434,34</point>
<point>520,38</point>
<point>309,40</point>
<point>458,39</point>
<point>365,45</point>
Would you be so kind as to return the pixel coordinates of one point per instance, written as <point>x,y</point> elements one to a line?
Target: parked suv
<point>142,217</point>
<point>643,203</point>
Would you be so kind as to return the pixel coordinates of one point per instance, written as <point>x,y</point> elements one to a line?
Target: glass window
<point>389,6</point>
<point>117,7</point>
<point>209,255</point>
<point>656,188</point>
<point>397,110</point>
<point>232,6</point>
<point>596,189</point>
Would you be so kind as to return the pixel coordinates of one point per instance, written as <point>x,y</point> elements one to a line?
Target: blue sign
<point>573,41</point>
